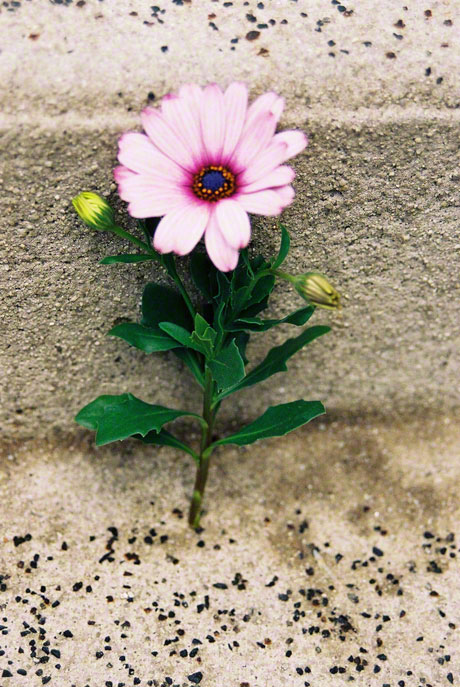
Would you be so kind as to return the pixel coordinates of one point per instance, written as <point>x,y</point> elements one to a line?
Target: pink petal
<point>277,177</point>
<point>235,101</point>
<point>165,139</point>
<point>213,121</point>
<point>224,257</point>
<point>269,158</point>
<point>268,102</point>
<point>178,113</point>
<point>233,223</point>
<point>254,140</point>
<point>266,202</point>
<point>286,193</point>
<point>138,153</point>
<point>296,141</point>
<point>181,229</point>
<point>146,197</point>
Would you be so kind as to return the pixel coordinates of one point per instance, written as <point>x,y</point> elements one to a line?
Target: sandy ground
<point>325,558</point>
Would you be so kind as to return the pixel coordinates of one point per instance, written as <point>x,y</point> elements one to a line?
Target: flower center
<point>213,183</point>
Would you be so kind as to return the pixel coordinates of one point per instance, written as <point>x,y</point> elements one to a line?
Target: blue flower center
<point>213,180</point>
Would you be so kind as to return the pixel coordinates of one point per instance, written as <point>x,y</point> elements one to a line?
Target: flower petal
<point>286,193</point>
<point>181,229</point>
<point>224,257</point>
<point>269,158</point>
<point>178,113</point>
<point>213,121</point>
<point>268,102</point>
<point>138,153</point>
<point>233,222</point>
<point>147,197</point>
<point>266,202</point>
<point>253,140</point>
<point>296,141</point>
<point>165,139</point>
<point>235,101</point>
<point>277,177</point>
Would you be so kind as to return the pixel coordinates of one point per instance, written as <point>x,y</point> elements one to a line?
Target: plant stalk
<point>204,458</point>
<point>126,235</point>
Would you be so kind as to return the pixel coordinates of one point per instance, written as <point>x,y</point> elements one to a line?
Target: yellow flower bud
<point>94,211</point>
<point>315,289</point>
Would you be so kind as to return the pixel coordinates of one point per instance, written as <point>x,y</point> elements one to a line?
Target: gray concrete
<point>338,542</point>
<point>377,207</point>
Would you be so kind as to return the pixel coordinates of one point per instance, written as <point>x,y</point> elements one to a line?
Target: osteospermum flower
<point>206,161</point>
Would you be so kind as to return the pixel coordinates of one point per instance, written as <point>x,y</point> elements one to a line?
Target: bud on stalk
<point>314,288</point>
<point>95,212</point>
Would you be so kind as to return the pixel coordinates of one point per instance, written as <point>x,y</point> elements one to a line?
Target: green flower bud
<point>94,211</point>
<point>315,289</point>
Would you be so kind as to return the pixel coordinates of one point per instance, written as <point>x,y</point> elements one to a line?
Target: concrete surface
<point>376,86</point>
<point>329,558</point>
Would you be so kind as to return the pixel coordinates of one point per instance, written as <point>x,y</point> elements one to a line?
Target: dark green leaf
<point>118,417</point>
<point>200,267</point>
<point>181,335</point>
<point>299,318</point>
<point>275,422</point>
<point>275,361</point>
<point>146,338</point>
<point>284,247</point>
<point>203,336</point>
<point>127,258</point>
<point>164,438</point>
<point>241,340</point>
<point>162,304</point>
<point>227,367</point>
<point>191,359</point>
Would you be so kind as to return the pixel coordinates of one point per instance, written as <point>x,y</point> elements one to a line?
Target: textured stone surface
<point>333,553</point>
<point>377,207</point>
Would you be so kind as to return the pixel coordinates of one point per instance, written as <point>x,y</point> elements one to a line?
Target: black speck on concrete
<point>195,678</point>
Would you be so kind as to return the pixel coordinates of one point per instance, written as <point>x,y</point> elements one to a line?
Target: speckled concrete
<point>327,558</point>
<point>376,87</point>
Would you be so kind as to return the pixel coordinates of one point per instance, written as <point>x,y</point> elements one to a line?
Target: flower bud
<point>94,211</point>
<point>315,289</point>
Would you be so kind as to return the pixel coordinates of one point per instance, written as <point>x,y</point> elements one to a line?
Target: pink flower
<point>205,161</point>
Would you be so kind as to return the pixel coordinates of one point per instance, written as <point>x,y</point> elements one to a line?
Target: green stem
<point>204,458</point>
<point>126,235</point>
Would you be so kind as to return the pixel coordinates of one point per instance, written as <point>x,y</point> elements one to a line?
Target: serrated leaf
<point>190,358</point>
<point>163,304</point>
<point>200,266</point>
<point>284,247</point>
<point>180,334</point>
<point>241,340</point>
<point>275,361</point>
<point>203,336</point>
<point>146,339</point>
<point>119,417</point>
<point>127,258</point>
<point>227,367</point>
<point>299,318</point>
<point>164,438</point>
<point>275,422</point>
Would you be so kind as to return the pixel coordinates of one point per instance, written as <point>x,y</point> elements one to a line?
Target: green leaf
<point>164,438</point>
<point>275,422</point>
<point>146,339</point>
<point>284,247</point>
<point>200,266</point>
<point>227,367</point>
<point>299,318</point>
<point>242,339</point>
<point>203,336</point>
<point>190,358</point>
<point>118,417</point>
<point>127,258</point>
<point>163,304</point>
<point>181,335</point>
<point>275,361</point>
